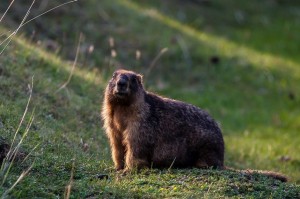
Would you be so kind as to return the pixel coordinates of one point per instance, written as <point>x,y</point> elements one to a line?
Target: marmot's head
<point>124,87</point>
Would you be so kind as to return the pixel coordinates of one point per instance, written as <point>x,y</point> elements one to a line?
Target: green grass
<point>253,92</point>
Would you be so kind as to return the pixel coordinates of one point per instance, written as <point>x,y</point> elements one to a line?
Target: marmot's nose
<point>122,83</point>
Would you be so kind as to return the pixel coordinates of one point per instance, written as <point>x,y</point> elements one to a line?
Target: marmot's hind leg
<point>209,159</point>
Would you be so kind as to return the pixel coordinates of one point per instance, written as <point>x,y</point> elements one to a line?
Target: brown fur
<point>147,130</point>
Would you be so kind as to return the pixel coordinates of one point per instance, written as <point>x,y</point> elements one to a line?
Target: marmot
<point>147,130</point>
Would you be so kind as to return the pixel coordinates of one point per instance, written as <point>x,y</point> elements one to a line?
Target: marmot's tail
<point>272,174</point>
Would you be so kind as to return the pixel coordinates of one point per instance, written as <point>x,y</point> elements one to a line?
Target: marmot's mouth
<point>121,93</point>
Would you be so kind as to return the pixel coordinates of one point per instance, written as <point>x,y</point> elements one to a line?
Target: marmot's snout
<point>122,85</point>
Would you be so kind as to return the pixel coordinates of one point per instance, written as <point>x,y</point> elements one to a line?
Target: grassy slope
<point>247,92</point>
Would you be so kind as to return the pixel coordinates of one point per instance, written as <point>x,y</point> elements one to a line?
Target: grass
<point>237,60</point>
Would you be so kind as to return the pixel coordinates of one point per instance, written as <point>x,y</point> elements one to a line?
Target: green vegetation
<point>238,60</point>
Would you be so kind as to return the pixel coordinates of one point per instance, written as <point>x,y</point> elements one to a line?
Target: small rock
<point>214,59</point>
<point>85,146</point>
<point>102,176</point>
<point>292,95</point>
<point>285,158</point>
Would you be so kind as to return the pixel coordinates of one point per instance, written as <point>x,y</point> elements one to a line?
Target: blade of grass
<point>51,9</point>
<point>162,51</point>
<point>24,173</point>
<point>16,149</point>
<point>73,66</point>
<point>15,32</point>
<point>169,169</point>
<point>23,117</point>
<point>23,23</point>
<point>30,152</point>
<point>7,9</point>
<point>69,186</point>
<point>11,155</point>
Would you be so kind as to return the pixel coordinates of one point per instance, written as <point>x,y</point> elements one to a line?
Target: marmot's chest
<point>120,122</point>
<point>123,118</point>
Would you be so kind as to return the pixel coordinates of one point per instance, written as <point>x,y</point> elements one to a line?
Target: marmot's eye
<point>133,80</point>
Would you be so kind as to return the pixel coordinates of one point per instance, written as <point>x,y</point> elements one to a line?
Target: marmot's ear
<point>140,79</point>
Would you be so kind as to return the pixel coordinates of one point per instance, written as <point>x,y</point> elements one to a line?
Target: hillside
<point>239,61</point>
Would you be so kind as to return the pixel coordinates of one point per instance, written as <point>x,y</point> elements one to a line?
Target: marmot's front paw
<point>119,168</point>
<point>123,172</point>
